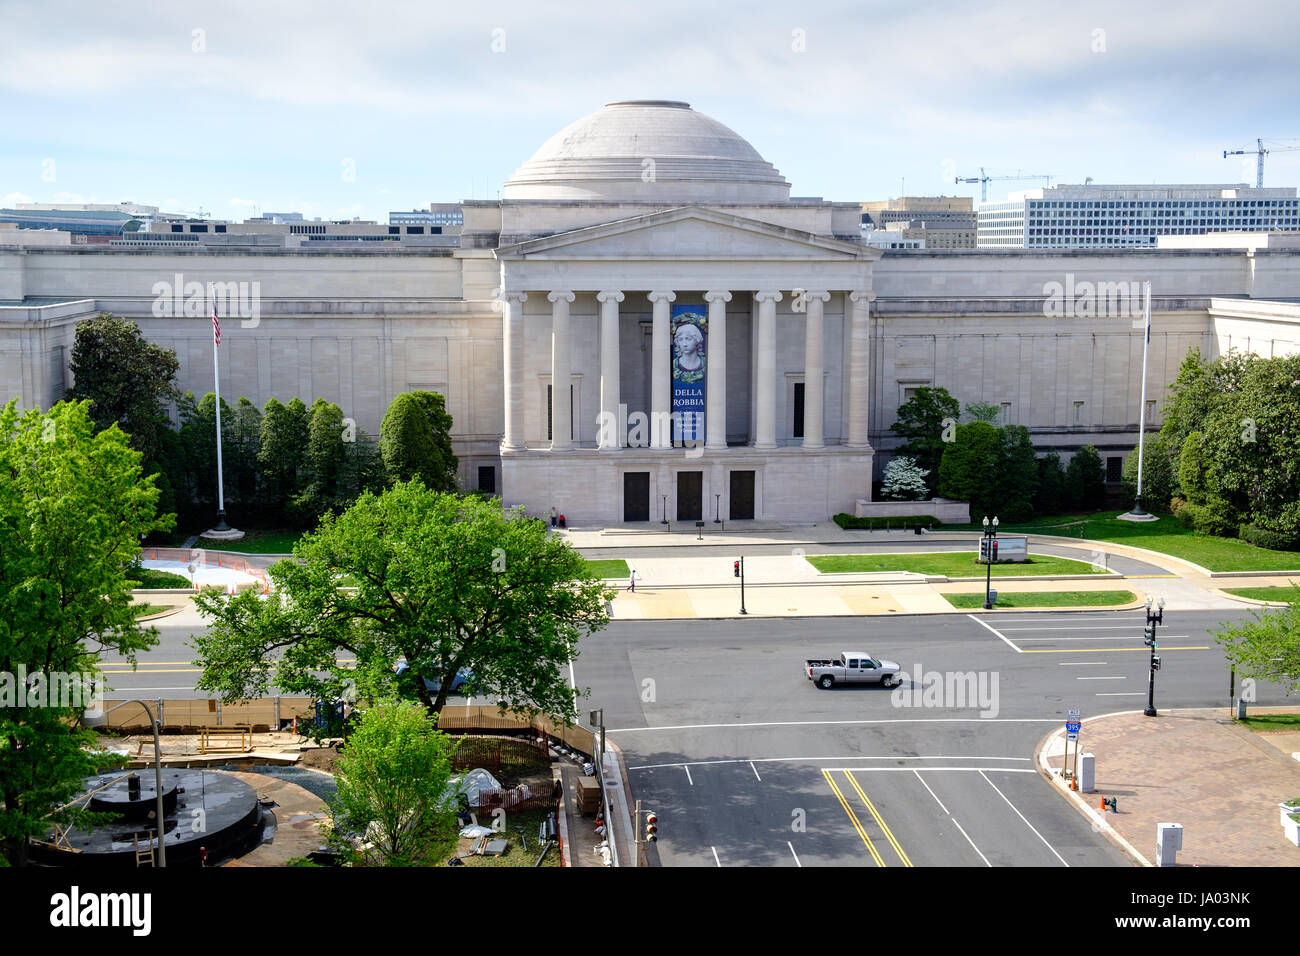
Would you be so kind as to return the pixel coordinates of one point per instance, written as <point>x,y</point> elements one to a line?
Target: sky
<point>344,109</point>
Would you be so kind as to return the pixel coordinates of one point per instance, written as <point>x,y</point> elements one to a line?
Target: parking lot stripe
<point>844,723</point>
<point>688,775</point>
<point>971,842</point>
<point>794,854</point>
<point>1079,663</point>
<point>853,817</point>
<point>750,760</point>
<point>1111,637</point>
<point>715,855</point>
<point>1102,678</point>
<point>1027,823</point>
<point>755,769</point>
<point>997,632</point>
<point>880,821</point>
<point>932,793</point>
<point>1076,650</point>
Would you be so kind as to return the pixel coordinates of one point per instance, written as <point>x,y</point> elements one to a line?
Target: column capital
<point>662,296</point>
<point>767,296</point>
<point>515,297</point>
<point>818,294</point>
<point>717,295</point>
<point>862,296</point>
<point>557,296</point>
<point>609,295</point>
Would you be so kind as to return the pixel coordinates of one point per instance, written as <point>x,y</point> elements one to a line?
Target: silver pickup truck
<point>853,667</point>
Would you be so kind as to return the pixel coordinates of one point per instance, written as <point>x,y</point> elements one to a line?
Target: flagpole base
<point>222,534</point>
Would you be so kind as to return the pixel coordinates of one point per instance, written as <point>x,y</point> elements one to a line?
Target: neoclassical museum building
<point>647,325</point>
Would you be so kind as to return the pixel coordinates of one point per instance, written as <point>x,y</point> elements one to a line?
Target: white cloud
<point>12,198</point>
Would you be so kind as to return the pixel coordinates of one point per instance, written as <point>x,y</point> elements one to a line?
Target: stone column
<point>561,377</point>
<point>716,388</point>
<point>814,363</point>
<point>609,380</point>
<point>512,341</point>
<point>661,372</point>
<point>765,387</point>
<point>859,369</point>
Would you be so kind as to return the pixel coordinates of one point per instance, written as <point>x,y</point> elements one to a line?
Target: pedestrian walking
<point>631,581</point>
<point>555,516</point>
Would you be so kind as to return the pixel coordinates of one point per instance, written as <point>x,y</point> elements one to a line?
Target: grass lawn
<point>610,568</point>
<point>1046,599</point>
<point>953,564</point>
<point>1165,535</point>
<point>153,578</point>
<point>144,610</point>
<point>1267,594</point>
<point>255,542</point>
<point>1266,722</point>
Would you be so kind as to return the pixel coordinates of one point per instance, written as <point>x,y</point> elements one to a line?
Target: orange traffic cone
<point>1102,805</point>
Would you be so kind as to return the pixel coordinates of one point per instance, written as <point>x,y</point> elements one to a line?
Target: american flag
<point>216,325</point>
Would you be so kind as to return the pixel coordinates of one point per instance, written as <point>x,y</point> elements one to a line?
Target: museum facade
<point>647,327</point>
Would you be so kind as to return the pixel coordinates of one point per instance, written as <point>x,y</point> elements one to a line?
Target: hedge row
<point>851,522</point>
<point>1264,538</point>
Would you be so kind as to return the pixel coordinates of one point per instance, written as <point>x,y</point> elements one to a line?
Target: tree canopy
<point>1266,647</point>
<point>415,441</point>
<point>969,469</point>
<point>923,421</point>
<point>442,582</point>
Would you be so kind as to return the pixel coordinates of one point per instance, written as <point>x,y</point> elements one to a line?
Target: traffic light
<point>1155,663</point>
<point>995,549</point>
<point>1149,635</point>
<point>651,828</point>
<point>735,567</point>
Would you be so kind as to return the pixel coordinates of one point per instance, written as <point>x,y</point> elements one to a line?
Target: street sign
<point>1072,729</point>
<point>1072,714</point>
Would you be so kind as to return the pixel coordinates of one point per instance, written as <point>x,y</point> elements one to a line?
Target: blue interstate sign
<point>690,372</point>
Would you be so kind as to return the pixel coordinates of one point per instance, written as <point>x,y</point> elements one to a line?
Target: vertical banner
<point>690,372</point>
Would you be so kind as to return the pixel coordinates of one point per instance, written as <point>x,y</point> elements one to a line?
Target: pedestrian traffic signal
<point>736,568</point>
<point>651,828</point>
<point>1155,663</point>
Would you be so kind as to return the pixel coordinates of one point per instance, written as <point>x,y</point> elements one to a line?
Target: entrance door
<point>636,496</point>
<point>690,496</point>
<point>742,495</point>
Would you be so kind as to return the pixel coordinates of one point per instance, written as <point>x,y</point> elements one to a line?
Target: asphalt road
<point>748,764</point>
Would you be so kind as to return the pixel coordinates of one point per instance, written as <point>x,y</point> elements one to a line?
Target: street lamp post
<point>717,507</point>
<point>990,536</point>
<point>1149,638</point>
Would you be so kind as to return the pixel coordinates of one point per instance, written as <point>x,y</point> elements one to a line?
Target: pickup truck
<point>853,667</point>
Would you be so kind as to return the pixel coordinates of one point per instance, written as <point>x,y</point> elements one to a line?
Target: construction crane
<point>1260,152</point>
<point>984,180</point>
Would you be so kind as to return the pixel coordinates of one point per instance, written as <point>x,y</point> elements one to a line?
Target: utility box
<point>1241,708</point>
<point>588,795</point>
<point>1169,840</point>
<point>1087,773</point>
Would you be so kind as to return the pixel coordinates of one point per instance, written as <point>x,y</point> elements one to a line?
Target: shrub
<point>1264,538</point>
<point>852,522</point>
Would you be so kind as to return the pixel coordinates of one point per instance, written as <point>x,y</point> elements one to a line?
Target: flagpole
<point>216,381</point>
<point>1142,410</point>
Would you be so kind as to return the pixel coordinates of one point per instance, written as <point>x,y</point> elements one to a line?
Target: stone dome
<point>647,151</point>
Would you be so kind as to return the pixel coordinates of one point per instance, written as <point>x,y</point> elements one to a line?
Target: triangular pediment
<point>687,233</point>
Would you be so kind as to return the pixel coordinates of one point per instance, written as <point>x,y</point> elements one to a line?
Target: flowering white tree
<point>904,480</point>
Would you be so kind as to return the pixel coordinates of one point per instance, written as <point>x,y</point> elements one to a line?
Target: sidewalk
<point>1198,768</point>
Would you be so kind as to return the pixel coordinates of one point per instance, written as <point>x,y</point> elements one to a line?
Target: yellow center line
<point>889,834</point>
<point>854,819</point>
<point>1111,650</point>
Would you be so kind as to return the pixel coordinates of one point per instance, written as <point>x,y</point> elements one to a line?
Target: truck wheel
<point>825,682</point>
<point>888,680</point>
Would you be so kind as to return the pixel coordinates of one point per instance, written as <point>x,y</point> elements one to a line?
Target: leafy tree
<point>284,435</point>
<point>1085,480</point>
<point>393,781</point>
<point>1157,475</point>
<point>904,481</point>
<point>1267,647</point>
<point>415,441</point>
<point>241,453</point>
<point>73,505</point>
<point>1049,496</point>
<point>1017,479</point>
<point>326,453</point>
<point>983,412</point>
<point>198,436</point>
<point>969,469</point>
<point>445,583</point>
<point>922,420</point>
<point>129,381</point>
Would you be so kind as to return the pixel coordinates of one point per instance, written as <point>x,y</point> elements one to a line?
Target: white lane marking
<point>997,632</point>
<point>1134,693</point>
<point>795,855</point>
<point>713,763</point>
<point>838,723</point>
<point>1079,663</point>
<point>1091,627</point>
<point>932,793</point>
<point>971,842</point>
<point>945,769</point>
<point>1101,678</point>
<point>1039,640</point>
<point>1027,823</point>
<point>688,774</point>
<point>715,855</point>
<point>755,769</point>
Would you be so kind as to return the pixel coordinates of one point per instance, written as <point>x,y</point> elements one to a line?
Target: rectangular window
<point>487,479</point>
<point>1078,413</point>
<point>550,417</point>
<point>1114,469</point>
<point>797,431</point>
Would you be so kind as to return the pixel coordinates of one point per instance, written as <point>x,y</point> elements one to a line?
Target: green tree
<point>1017,480</point>
<point>129,381</point>
<point>969,469</point>
<point>1085,480</point>
<point>73,505</point>
<point>393,781</point>
<point>241,454</point>
<point>1157,475</point>
<point>198,436</point>
<point>284,435</point>
<point>1267,647</point>
<point>445,583</point>
<point>326,456</point>
<point>415,441</point>
<point>1049,496</point>
<point>983,412</point>
<point>926,421</point>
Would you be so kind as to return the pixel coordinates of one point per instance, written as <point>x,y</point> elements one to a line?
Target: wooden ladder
<point>143,856</point>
